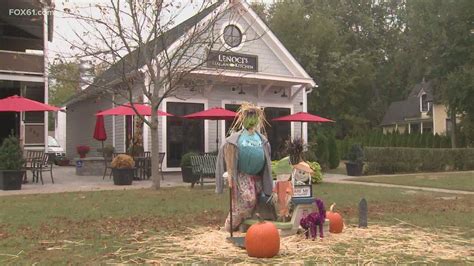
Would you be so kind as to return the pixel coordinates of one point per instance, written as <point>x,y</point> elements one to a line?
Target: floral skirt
<point>244,199</point>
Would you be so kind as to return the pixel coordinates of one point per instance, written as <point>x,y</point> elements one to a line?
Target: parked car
<point>55,151</point>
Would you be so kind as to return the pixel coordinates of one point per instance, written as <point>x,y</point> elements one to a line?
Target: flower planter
<point>123,177</point>
<point>62,162</point>
<point>187,173</point>
<point>354,169</point>
<point>11,179</point>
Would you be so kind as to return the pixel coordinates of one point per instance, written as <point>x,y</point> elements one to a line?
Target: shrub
<point>186,158</point>
<point>309,155</point>
<point>436,141</point>
<point>322,151</point>
<point>11,155</point>
<point>333,153</point>
<point>123,161</point>
<point>295,150</point>
<point>317,176</point>
<point>108,150</point>
<point>356,154</point>
<point>409,160</point>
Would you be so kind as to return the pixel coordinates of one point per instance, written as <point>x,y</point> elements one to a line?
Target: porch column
<point>409,128</point>
<point>45,75</point>
<point>421,127</point>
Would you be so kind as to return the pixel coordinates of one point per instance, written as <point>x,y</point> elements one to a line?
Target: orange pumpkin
<point>262,240</point>
<point>336,224</point>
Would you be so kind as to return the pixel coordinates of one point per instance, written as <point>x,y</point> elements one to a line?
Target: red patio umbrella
<point>303,117</point>
<point>17,103</point>
<point>99,131</point>
<point>215,113</point>
<point>127,109</point>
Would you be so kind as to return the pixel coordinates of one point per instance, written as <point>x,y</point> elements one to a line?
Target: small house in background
<point>419,113</point>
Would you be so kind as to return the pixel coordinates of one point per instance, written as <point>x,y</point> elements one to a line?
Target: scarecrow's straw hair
<point>242,115</point>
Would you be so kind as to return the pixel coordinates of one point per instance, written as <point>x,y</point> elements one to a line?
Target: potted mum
<point>123,169</point>
<point>11,163</point>
<point>356,158</point>
<point>82,150</point>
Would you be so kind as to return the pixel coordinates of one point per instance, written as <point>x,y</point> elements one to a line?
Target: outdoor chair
<point>41,165</point>
<point>107,165</point>
<point>141,165</point>
<point>146,165</point>
<point>162,157</point>
<point>204,166</point>
<point>29,158</point>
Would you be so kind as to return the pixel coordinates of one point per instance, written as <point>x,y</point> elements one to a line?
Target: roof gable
<point>418,89</point>
<point>134,60</point>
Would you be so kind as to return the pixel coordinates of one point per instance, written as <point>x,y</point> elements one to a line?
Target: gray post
<point>363,210</point>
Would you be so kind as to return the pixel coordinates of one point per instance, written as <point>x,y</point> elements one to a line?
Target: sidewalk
<point>342,179</point>
<point>65,180</point>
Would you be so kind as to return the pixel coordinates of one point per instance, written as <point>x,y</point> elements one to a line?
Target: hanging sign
<point>302,191</point>
<point>232,61</point>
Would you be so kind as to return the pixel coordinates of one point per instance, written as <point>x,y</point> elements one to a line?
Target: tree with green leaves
<point>333,153</point>
<point>439,41</point>
<point>63,83</point>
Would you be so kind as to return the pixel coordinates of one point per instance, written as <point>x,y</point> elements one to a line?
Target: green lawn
<point>457,181</point>
<point>72,228</point>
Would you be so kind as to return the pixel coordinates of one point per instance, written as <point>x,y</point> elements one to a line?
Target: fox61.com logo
<point>28,12</point>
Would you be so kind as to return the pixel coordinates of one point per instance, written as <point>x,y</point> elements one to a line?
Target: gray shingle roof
<point>410,108</point>
<point>426,86</point>
<point>135,60</point>
<point>399,111</point>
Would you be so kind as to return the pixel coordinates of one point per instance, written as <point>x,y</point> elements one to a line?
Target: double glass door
<point>183,135</point>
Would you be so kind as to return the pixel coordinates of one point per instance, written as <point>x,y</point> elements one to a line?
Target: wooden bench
<point>204,166</point>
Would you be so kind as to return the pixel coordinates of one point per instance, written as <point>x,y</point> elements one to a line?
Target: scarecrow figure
<point>281,197</point>
<point>286,181</point>
<point>245,157</point>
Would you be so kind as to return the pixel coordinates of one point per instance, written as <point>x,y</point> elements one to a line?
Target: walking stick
<point>230,210</point>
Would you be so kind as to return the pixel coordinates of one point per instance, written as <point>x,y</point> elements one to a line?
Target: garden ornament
<point>302,173</point>
<point>363,210</point>
<point>311,222</point>
<point>245,156</point>
<point>281,196</point>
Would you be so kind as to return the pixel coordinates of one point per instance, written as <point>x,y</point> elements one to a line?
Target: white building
<point>268,75</point>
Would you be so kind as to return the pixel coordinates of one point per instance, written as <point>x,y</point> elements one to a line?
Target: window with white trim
<point>232,36</point>
<point>425,104</point>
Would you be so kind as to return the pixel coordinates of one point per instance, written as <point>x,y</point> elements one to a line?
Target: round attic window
<point>232,36</point>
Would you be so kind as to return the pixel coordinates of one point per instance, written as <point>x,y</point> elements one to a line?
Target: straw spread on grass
<point>376,244</point>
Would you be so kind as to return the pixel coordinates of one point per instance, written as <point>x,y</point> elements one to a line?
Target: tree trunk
<point>155,157</point>
<point>453,127</point>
